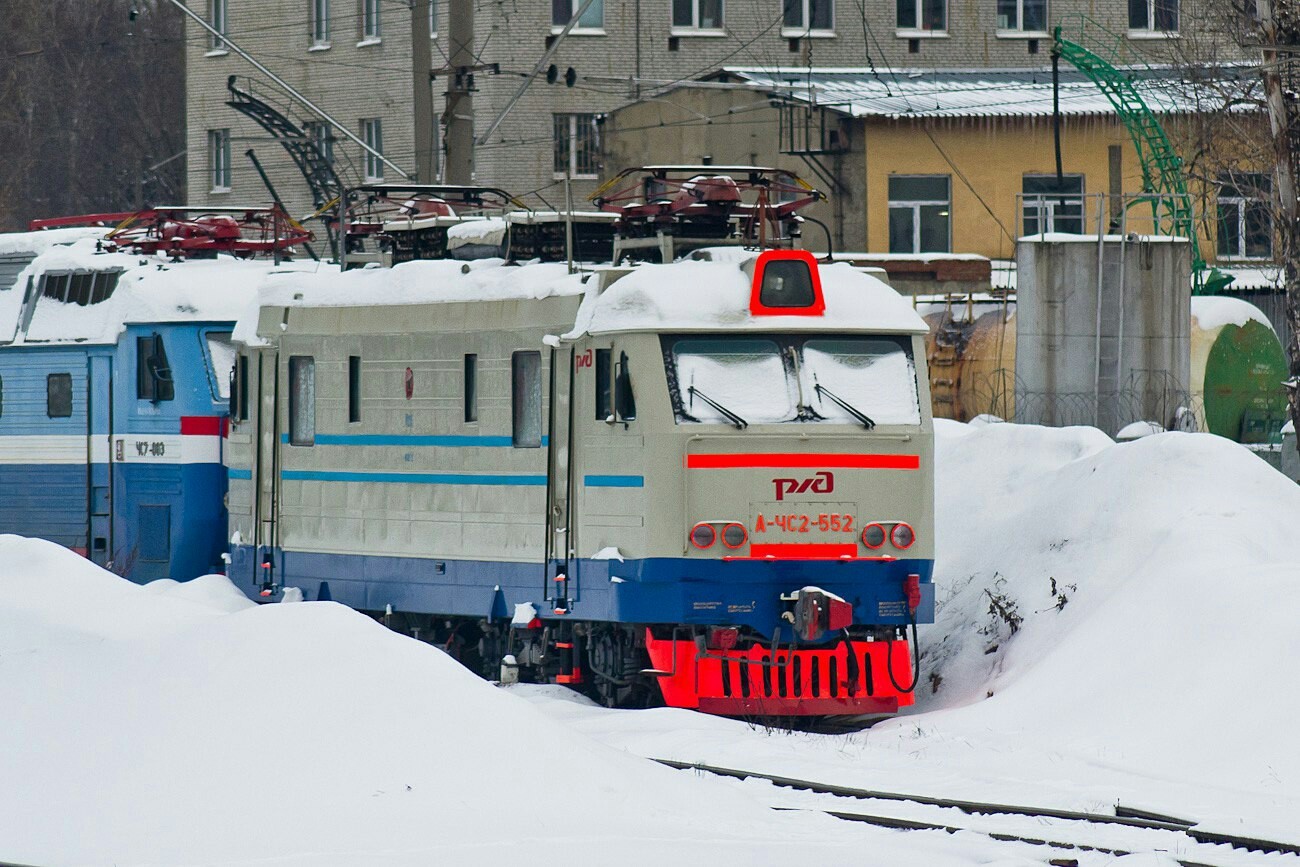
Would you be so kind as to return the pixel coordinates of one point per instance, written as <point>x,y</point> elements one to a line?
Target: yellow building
<point>952,161</point>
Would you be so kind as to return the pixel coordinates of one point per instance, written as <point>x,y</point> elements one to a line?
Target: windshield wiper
<point>861,416</point>
<point>739,422</point>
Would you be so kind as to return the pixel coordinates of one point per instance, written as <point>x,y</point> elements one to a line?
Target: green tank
<point>1238,366</point>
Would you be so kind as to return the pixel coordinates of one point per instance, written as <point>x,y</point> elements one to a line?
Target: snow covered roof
<point>898,93</point>
<point>682,296</point>
<point>147,289</point>
<point>39,242</point>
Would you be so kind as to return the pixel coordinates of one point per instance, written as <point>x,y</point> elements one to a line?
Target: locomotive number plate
<point>829,520</point>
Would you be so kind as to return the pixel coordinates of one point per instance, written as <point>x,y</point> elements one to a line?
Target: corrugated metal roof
<point>958,93</point>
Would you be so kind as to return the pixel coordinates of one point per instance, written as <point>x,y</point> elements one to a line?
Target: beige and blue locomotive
<point>708,482</point>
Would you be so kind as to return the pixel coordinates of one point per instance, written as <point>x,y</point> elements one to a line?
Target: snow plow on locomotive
<point>707,483</point>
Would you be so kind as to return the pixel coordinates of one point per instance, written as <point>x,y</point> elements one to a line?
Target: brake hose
<point>916,656</point>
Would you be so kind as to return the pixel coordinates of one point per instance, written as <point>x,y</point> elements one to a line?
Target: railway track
<point>1126,831</point>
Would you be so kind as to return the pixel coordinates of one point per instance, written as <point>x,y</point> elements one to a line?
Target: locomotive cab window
<point>604,385</point>
<point>834,379</point>
<point>58,395</point>
<point>624,400</point>
<point>302,400</point>
<point>354,389</point>
<point>471,387</point>
<point>526,400</point>
<point>153,375</point>
<point>238,389</point>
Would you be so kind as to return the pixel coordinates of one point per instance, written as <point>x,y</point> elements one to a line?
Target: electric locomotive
<point>707,482</point>
<point>115,355</point>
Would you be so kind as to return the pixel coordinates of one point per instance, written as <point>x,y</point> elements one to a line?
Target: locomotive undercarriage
<point>864,670</point>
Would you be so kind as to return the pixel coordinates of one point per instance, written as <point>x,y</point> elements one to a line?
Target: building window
<point>1025,16</point>
<point>354,389</point>
<point>471,388</point>
<point>302,400</point>
<point>320,23</point>
<point>1245,217</point>
<point>919,207</point>
<point>372,133</point>
<point>577,145</point>
<point>321,134</point>
<point>592,19</point>
<point>217,20</point>
<point>370,21</point>
<point>801,16</point>
<point>697,14</point>
<point>1052,207</point>
<point>526,399</point>
<point>433,19</point>
<point>153,375</point>
<point>58,395</point>
<point>923,15</point>
<point>1153,16</point>
<point>219,159</point>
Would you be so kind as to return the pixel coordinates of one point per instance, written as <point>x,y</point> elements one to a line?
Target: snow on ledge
<point>1216,311</point>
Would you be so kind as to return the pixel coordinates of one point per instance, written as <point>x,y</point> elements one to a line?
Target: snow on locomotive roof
<point>148,289</point>
<point>12,243</point>
<point>682,296</point>
<point>694,295</point>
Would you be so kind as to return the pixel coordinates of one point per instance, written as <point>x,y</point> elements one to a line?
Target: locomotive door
<point>266,468</point>
<point>99,469</point>
<point>561,584</point>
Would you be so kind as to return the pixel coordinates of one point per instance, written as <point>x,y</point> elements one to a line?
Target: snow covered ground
<point>1117,624</point>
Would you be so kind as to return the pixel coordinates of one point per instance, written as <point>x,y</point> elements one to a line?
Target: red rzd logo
<point>821,483</point>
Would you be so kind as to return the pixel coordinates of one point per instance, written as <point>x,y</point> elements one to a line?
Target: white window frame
<point>694,28</point>
<point>574,121</point>
<point>919,32</point>
<point>915,205</point>
<point>433,19</point>
<point>1239,202</point>
<point>322,135</point>
<point>372,133</point>
<point>319,16</point>
<point>805,28</point>
<point>219,159</point>
<point>1019,31</point>
<point>219,20</point>
<point>1045,205</point>
<point>580,29</point>
<point>1150,31</point>
<point>372,26</point>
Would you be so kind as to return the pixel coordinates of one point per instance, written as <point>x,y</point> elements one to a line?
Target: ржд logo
<point>821,483</point>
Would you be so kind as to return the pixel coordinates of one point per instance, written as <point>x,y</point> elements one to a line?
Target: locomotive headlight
<point>703,535</point>
<point>873,536</point>
<point>902,536</point>
<point>734,535</point>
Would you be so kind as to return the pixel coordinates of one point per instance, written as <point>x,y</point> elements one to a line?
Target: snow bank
<point>162,725</point>
<point>1215,311</point>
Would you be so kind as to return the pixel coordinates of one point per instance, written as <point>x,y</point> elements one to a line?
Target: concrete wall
<point>1137,365</point>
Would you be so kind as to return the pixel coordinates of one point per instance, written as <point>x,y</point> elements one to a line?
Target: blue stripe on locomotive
<point>162,520</point>
<point>652,590</point>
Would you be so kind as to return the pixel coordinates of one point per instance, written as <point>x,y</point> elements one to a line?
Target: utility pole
<point>459,118</point>
<point>426,171</point>
<point>1280,37</point>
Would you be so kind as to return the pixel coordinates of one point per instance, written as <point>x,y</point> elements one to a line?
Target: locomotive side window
<point>354,389</point>
<point>624,400</point>
<point>221,352</point>
<point>58,395</point>
<point>604,385</point>
<point>153,375</point>
<point>239,389</point>
<point>302,400</point>
<point>526,399</point>
<point>471,387</point>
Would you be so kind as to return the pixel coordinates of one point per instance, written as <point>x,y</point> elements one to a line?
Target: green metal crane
<point>1162,167</point>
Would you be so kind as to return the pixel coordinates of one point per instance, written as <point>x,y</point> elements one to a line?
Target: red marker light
<point>703,535</point>
<point>902,536</point>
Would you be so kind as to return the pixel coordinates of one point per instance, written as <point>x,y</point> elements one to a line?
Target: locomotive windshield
<point>832,379</point>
